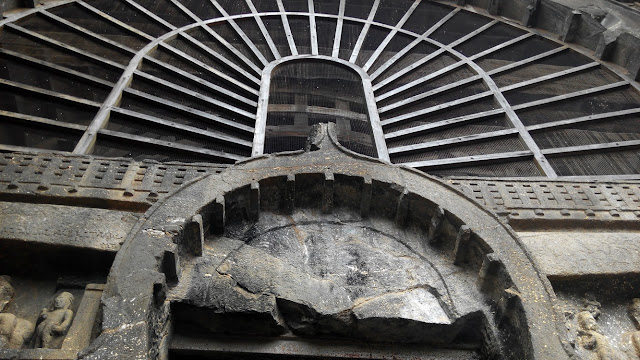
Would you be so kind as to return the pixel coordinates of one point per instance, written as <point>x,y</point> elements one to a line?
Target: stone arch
<point>151,272</point>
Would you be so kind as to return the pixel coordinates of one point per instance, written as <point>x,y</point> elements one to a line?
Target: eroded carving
<point>14,331</point>
<point>54,322</point>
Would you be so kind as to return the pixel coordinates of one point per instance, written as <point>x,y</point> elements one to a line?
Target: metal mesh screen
<point>305,93</point>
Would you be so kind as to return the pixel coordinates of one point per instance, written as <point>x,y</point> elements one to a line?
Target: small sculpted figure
<point>632,339</point>
<point>14,332</point>
<point>6,292</point>
<point>55,322</point>
<point>590,337</point>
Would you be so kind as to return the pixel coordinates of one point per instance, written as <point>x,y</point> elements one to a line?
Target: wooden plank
<point>312,28</point>
<point>390,36</point>
<point>65,47</point>
<point>263,29</point>
<point>217,73</point>
<point>23,118</point>
<point>198,80</point>
<point>363,33</point>
<point>101,14</point>
<point>583,119</point>
<point>196,95</point>
<point>193,131</point>
<point>190,111</point>
<point>501,46</point>
<point>427,78</point>
<point>214,154</point>
<point>436,108</point>
<point>57,68</point>
<point>456,65</point>
<point>299,108</point>
<point>572,95</point>
<point>410,68</point>
<point>471,160</point>
<point>90,34</point>
<point>50,94</point>
<point>413,44</point>
<point>210,51</point>
<point>223,60</point>
<point>442,71</point>
<point>29,12</point>
<point>14,148</point>
<point>241,33</point>
<point>526,61</point>
<point>338,35</point>
<point>462,82</point>
<point>287,29</point>
<point>549,77</point>
<point>443,124</point>
<point>592,148</point>
<point>461,140</point>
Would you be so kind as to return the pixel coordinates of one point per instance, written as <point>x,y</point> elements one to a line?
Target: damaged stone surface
<point>336,246</point>
<point>321,275</point>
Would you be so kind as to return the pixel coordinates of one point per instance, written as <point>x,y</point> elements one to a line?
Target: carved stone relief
<point>54,322</point>
<point>14,331</point>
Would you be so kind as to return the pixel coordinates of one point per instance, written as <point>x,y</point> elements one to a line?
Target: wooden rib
<point>193,131</point>
<point>443,124</point>
<point>287,29</point>
<point>458,64</point>
<point>436,108</point>
<point>263,29</point>
<point>450,67</point>
<point>197,95</point>
<point>241,33</point>
<point>585,149</point>
<point>338,35</point>
<point>312,28</point>
<point>28,12</point>
<point>150,38</point>
<point>363,33</point>
<point>215,35</point>
<point>57,68</point>
<point>50,94</point>
<point>470,160</point>
<point>170,145</point>
<point>115,21</point>
<point>220,74</point>
<point>390,36</point>
<point>410,68</point>
<point>317,110</point>
<point>526,61</point>
<point>469,139</point>
<point>198,80</point>
<point>87,33</point>
<point>462,82</point>
<point>14,148</point>
<point>549,77</point>
<point>501,46</point>
<point>572,95</point>
<point>190,111</point>
<point>65,47</point>
<point>583,119</point>
<point>13,116</point>
<point>118,46</point>
<point>181,53</point>
<point>427,94</point>
<point>413,44</point>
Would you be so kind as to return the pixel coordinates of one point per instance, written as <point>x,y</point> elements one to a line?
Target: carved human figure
<point>53,323</point>
<point>590,337</point>
<point>632,339</point>
<point>6,292</point>
<point>14,332</point>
